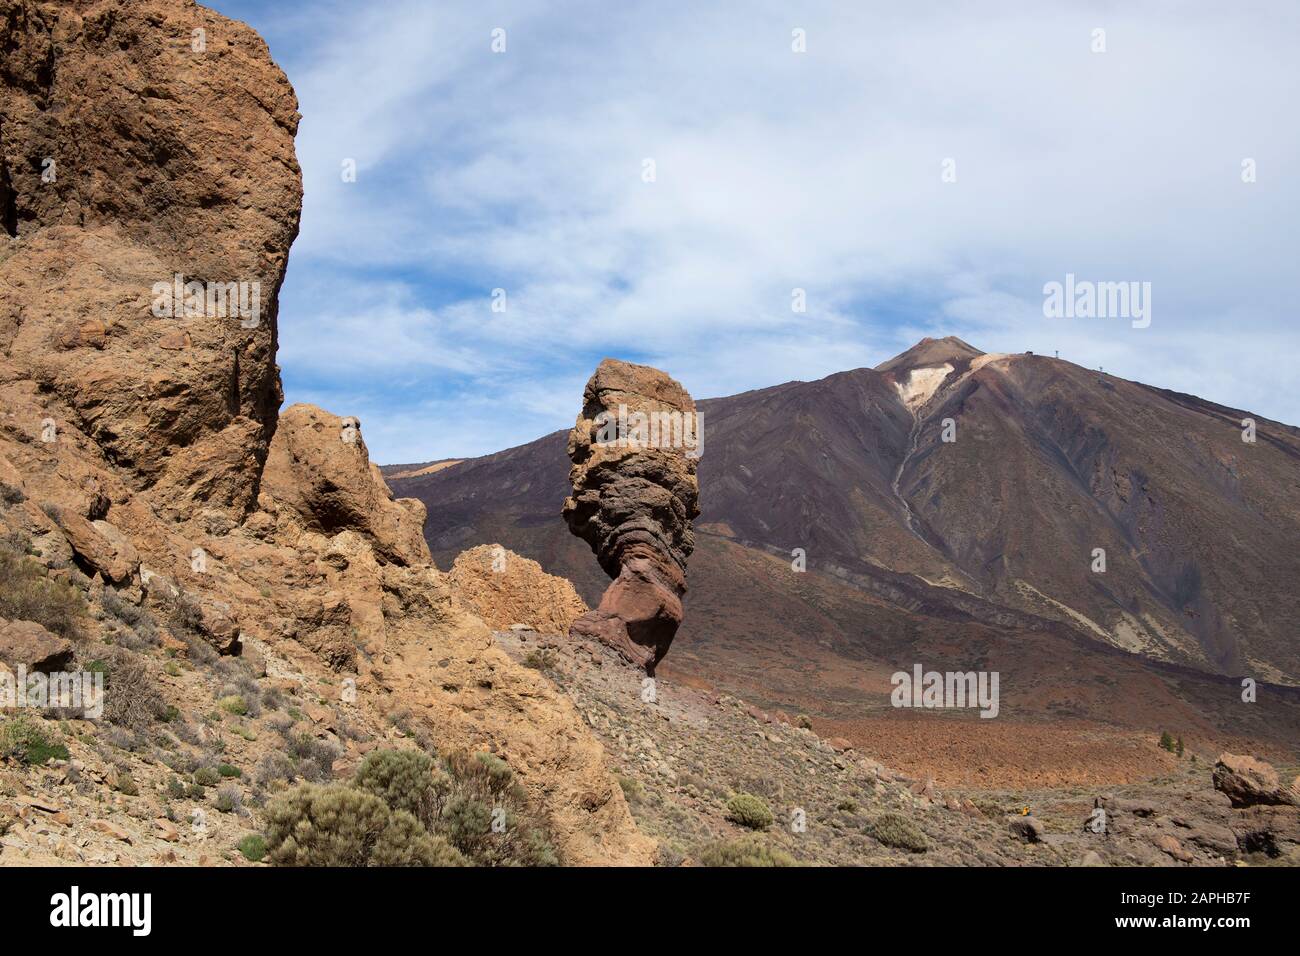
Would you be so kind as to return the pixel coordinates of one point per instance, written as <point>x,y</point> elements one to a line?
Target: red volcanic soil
<point>1004,754</point>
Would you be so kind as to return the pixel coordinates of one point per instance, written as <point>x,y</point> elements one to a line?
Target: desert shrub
<point>207,777</point>
<point>122,781</point>
<point>804,721</point>
<point>27,593</point>
<point>1167,741</point>
<point>541,660</point>
<point>226,770</point>
<point>131,696</point>
<point>175,789</point>
<point>25,740</point>
<point>337,825</point>
<point>467,823</point>
<point>253,847</point>
<point>405,780</point>
<point>896,830</point>
<point>9,495</point>
<point>274,768</point>
<point>745,851</point>
<point>233,704</point>
<point>313,759</point>
<point>229,799</point>
<point>750,811</point>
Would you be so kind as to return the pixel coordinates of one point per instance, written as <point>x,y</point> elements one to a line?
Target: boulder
<point>511,592</point>
<point>28,644</point>
<point>319,475</point>
<point>635,449</point>
<point>1248,782</point>
<point>1027,828</point>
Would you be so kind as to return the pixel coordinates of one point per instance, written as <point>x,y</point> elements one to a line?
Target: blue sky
<point>774,170</point>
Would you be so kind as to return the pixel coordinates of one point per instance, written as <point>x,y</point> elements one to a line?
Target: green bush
<point>207,777</point>
<point>405,780</point>
<point>750,811</point>
<point>745,851</point>
<point>253,847</point>
<point>633,790</point>
<point>337,825</point>
<point>896,830</point>
<point>226,770</point>
<point>234,704</point>
<point>24,740</point>
<point>27,593</point>
<point>467,823</point>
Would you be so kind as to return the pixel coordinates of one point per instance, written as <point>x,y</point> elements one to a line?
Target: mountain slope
<point>981,545</point>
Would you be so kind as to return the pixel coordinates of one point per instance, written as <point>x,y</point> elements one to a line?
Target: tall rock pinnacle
<point>635,449</point>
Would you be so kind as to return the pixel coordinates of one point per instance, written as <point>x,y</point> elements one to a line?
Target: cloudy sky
<point>774,170</point>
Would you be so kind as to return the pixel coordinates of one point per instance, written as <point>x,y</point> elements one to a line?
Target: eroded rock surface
<point>635,449</point>
<point>141,141</point>
<point>507,590</point>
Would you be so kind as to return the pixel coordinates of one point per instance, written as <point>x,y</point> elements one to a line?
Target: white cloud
<point>776,170</point>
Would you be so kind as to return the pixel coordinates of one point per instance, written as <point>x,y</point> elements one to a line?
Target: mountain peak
<point>930,351</point>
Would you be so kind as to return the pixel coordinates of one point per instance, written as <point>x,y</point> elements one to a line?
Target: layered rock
<point>635,448</point>
<point>141,142</point>
<point>505,589</point>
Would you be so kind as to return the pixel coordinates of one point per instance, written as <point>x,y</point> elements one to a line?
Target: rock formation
<point>146,149</point>
<point>504,589</point>
<point>634,449</point>
<point>1249,782</point>
<point>144,483</point>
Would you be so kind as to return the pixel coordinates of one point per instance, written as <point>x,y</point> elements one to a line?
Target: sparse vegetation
<point>338,825</point>
<point>750,811</point>
<point>27,593</point>
<point>749,850</point>
<point>896,830</point>
<point>23,739</point>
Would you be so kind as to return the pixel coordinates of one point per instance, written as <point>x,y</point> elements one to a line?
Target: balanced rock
<point>635,449</point>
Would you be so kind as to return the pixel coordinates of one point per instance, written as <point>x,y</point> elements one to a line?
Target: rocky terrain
<point>683,754</point>
<point>289,678</point>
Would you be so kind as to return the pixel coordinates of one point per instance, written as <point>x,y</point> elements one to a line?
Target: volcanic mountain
<point>1122,554</point>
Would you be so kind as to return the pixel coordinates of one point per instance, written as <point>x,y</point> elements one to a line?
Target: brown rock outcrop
<point>1248,782</point>
<point>27,644</point>
<point>635,449</point>
<point>503,588</point>
<point>141,141</point>
<point>319,468</point>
